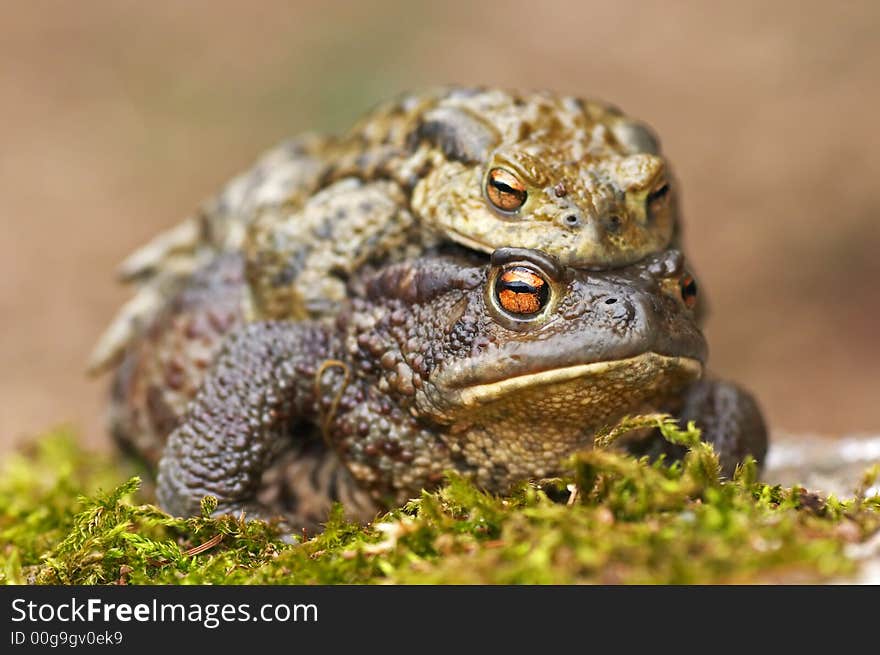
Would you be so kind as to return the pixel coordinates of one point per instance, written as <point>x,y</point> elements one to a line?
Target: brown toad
<point>497,370</point>
<point>483,167</point>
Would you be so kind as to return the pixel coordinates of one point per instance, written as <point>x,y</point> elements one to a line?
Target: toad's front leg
<point>241,418</point>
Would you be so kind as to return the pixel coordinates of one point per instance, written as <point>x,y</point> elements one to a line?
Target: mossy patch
<point>614,519</point>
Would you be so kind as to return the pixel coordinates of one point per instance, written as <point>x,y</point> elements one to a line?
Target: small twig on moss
<point>208,545</point>
<point>573,491</point>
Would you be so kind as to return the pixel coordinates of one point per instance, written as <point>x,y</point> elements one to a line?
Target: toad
<point>485,168</point>
<point>497,370</point>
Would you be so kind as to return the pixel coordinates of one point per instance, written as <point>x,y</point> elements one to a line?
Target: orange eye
<point>688,287</point>
<point>505,190</point>
<point>521,291</point>
<point>657,201</point>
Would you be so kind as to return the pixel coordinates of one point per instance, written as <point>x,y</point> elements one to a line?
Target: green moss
<point>613,519</point>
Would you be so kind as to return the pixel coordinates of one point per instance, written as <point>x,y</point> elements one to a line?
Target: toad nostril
<point>617,308</point>
<point>572,220</point>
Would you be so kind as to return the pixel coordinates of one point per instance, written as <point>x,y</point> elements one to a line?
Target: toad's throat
<point>524,426</point>
<point>626,375</point>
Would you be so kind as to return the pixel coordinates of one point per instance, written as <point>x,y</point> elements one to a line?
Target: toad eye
<point>657,201</point>
<point>687,285</point>
<point>505,190</point>
<point>521,291</point>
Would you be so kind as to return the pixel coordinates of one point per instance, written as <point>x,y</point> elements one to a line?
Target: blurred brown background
<point>118,118</point>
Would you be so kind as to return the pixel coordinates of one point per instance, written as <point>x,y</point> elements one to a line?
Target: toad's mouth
<point>622,377</point>
<point>585,248</point>
<point>487,240</point>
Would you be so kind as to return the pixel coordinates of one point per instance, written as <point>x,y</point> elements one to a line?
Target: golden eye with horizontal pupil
<point>505,190</point>
<point>657,200</point>
<point>688,287</point>
<point>521,291</point>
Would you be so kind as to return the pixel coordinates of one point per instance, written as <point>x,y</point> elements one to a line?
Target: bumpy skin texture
<point>576,158</point>
<point>597,192</point>
<point>425,370</point>
<point>413,173</point>
<point>161,371</point>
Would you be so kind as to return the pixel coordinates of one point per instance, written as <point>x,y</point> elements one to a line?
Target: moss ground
<point>68,516</point>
